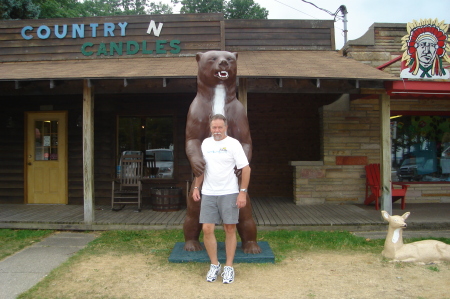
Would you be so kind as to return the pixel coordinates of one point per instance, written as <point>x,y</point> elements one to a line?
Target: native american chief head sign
<point>426,46</point>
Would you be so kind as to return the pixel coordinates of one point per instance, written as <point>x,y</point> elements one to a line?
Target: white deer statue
<point>426,251</point>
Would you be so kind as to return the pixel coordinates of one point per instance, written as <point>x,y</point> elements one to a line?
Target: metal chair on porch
<point>127,188</point>
<point>374,185</point>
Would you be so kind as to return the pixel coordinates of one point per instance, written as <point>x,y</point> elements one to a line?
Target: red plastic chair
<point>373,183</point>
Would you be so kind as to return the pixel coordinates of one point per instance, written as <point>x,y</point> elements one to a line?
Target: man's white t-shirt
<point>221,157</point>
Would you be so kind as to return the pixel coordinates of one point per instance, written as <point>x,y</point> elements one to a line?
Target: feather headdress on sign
<point>426,46</point>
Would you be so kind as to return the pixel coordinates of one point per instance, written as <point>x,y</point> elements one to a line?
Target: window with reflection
<point>420,148</point>
<point>46,137</point>
<point>154,137</point>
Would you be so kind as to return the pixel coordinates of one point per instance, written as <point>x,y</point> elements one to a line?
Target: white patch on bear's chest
<point>218,106</point>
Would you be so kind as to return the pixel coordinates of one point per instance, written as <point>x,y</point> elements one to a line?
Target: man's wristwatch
<point>243,190</point>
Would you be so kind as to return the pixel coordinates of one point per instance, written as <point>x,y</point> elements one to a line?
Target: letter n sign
<point>152,26</point>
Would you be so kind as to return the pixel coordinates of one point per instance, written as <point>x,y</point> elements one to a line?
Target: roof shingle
<point>252,64</point>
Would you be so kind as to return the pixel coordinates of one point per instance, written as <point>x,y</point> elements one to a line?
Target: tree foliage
<point>60,9</point>
<point>244,9</point>
<point>200,6</point>
<point>93,8</point>
<point>44,9</point>
<point>232,9</point>
<point>18,9</point>
<point>160,8</point>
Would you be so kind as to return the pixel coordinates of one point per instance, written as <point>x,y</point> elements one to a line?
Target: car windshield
<point>413,161</point>
<point>163,155</point>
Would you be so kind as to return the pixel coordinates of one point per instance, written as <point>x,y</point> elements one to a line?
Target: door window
<point>46,140</point>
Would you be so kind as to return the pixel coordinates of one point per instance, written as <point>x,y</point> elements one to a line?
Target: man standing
<point>222,197</point>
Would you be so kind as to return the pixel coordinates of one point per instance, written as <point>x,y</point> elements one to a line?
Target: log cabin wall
<point>129,37</point>
<point>12,152</point>
<point>264,35</point>
<point>111,37</point>
<point>12,145</point>
<point>107,107</point>
<point>275,142</point>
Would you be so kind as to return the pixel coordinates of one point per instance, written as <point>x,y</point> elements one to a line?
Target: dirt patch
<point>310,275</point>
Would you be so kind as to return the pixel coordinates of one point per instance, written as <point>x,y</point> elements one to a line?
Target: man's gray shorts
<point>221,208</point>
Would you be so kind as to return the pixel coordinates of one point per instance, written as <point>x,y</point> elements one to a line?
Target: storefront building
<point>77,93</point>
<point>417,109</point>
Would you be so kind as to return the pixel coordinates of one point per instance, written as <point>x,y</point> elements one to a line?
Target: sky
<point>361,13</point>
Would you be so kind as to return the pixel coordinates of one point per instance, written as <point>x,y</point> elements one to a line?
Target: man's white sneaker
<point>214,270</point>
<point>228,274</point>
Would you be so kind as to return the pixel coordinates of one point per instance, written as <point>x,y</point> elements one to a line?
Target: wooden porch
<point>268,212</point>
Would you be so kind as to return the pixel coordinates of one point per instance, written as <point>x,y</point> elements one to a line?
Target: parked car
<point>416,165</point>
<point>163,162</point>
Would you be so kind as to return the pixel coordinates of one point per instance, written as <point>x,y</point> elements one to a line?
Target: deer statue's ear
<point>406,215</point>
<point>385,215</point>
<point>198,56</point>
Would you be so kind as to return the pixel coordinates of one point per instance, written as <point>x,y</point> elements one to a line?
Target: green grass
<point>282,242</point>
<point>12,241</point>
<point>158,242</point>
<point>433,268</point>
<point>161,242</point>
<point>285,240</point>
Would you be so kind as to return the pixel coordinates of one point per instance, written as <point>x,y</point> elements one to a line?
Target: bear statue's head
<point>217,67</point>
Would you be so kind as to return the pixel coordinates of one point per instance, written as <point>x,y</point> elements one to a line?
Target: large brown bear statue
<point>216,93</point>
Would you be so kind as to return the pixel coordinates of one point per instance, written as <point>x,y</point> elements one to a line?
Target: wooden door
<point>46,157</point>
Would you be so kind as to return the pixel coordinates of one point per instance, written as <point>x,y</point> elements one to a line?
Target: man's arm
<point>245,180</point>
<point>198,182</point>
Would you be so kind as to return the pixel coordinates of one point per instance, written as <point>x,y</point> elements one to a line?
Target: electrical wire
<point>327,11</point>
<point>334,15</point>
<point>295,9</point>
<point>341,8</point>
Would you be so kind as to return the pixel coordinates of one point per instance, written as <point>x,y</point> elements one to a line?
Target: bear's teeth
<point>222,74</point>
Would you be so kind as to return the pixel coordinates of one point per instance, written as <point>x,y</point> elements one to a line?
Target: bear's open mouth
<point>221,75</point>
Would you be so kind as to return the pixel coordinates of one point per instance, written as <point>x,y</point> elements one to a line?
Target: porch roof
<point>252,64</point>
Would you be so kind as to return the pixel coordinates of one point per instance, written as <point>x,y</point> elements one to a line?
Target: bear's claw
<point>251,247</point>
<point>192,245</point>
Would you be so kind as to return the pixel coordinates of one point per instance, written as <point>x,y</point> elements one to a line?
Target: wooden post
<point>385,163</point>
<point>242,92</point>
<point>88,152</point>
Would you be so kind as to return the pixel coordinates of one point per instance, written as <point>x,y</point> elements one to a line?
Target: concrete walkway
<point>23,270</point>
